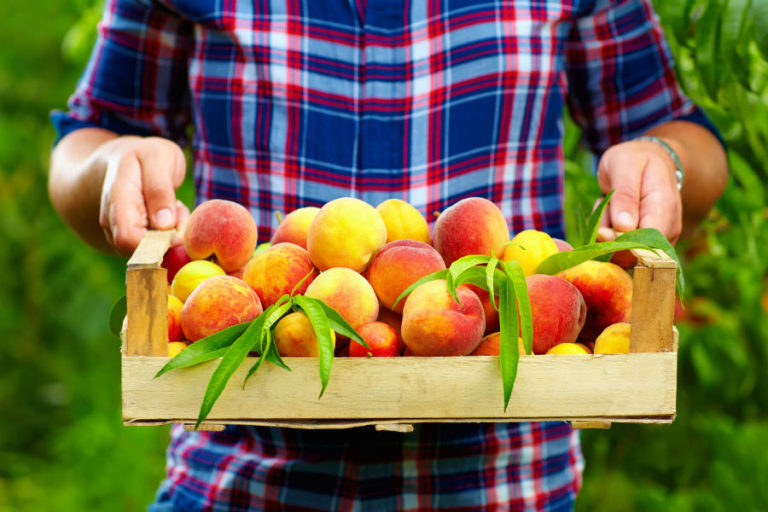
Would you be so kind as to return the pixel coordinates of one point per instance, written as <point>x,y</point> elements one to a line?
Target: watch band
<point>679,173</point>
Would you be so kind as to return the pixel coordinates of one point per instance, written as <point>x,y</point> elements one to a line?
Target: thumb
<point>622,172</point>
<point>162,173</point>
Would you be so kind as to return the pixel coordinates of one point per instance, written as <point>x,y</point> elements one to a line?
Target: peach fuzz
<point>614,339</point>
<point>295,336</point>
<point>222,230</point>
<point>490,345</point>
<point>529,248</point>
<point>295,226</point>
<point>403,221</point>
<point>491,313</point>
<point>348,293</point>
<point>219,302</point>
<point>277,270</point>
<point>557,310</point>
<point>346,232</point>
<point>174,319</point>
<point>397,266</point>
<point>570,349</point>
<point>191,275</point>
<point>436,325</point>
<point>472,226</point>
<point>382,339</point>
<point>607,291</point>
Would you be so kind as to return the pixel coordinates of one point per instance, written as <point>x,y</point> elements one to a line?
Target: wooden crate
<point>394,393</point>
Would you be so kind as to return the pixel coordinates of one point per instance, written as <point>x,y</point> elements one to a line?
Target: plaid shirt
<point>297,103</point>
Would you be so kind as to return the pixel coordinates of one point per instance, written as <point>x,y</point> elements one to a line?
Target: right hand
<point>139,189</point>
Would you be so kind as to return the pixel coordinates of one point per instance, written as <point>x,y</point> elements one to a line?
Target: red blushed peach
<point>607,290</point>
<point>222,230</point>
<point>277,270</point>
<point>471,226</point>
<point>346,232</point>
<point>491,346</point>
<point>174,319</point>
<point>558,311</point>
<point>295,336</point>
<point>382,339</point>
<point>348,293</point>
<point>436,325</point>
<point>295,226</point>
<point>491,314</point>
<point>397,266</point>
<point>393,320</point>
<point>217,303</point>
<point>175,258</point>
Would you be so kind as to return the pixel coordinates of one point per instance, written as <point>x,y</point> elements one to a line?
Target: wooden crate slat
<point>562,387</point>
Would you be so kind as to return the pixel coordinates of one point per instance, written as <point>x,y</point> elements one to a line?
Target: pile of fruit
<point>361,261</point>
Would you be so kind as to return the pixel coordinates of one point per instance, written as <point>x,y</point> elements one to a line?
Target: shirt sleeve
<point>621,79</point>
<point>136,78</point>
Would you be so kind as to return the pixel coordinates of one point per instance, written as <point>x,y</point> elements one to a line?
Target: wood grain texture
<point>580,388</point>
<point>150,252</point>
<point>651,259</point>
<point>653,309</point>
<point>146,312</point>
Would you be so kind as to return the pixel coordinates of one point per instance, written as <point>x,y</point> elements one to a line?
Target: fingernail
<point>626,220</point>
<point>164,218</point>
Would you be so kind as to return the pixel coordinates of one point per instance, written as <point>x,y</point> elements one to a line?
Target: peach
<point>277,270</point>
<point>219,302</point>
<point>348,293</point>
<point>490,345</point>
<point>393,320</point>
<point>471,226</point>
<point>295,336</point>
<point>571,349</point>
<point>382,339</point>
<point>403,221</point>
<point>175,258</point>
<point>191,275</point>
<point>346,232</point>
<point>222,230</point>
<point>607,290</point>
<point>295,226</point>
<point>491,314</point>
<point>614,339</point>
<point>397,266</point>
<point>562,245</point>
<point>175,347</point>
<point>529,248</point>
<point>558,311</point>
<point>436,325</point>
<point>174,319</point>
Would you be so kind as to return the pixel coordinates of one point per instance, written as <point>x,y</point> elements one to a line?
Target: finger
<point>162,171</point>
<point>126,211</point>
<point>182,215</point>
<point>605,234</point>
<point>621,171</point>
<point>661,206</point>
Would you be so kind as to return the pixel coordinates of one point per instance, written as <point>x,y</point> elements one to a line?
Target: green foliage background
<point>63,447</point>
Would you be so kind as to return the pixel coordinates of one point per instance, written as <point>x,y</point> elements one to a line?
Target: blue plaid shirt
<point>297,103</point>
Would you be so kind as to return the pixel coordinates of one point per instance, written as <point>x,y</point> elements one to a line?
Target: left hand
<point>642,175</point>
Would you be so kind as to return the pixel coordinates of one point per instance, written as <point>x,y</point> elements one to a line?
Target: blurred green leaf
<point>708,48</point>
<point>117,315</point>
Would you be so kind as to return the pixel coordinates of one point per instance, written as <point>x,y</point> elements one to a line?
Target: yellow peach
<point>403,221</point>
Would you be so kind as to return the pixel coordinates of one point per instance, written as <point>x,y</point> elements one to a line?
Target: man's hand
<point>142,175</point>
<point>110,189</point>
<point>642,176</point>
